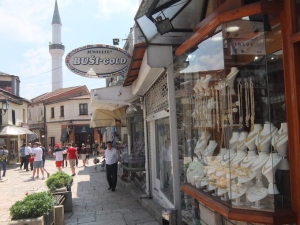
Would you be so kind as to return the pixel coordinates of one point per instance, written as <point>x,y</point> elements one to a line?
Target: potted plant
<point>36,208</point>
<point>60,183</point>
<point>59,180</point>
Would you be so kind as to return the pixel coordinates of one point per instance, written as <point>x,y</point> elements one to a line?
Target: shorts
<point>83,156</point>
<point>38,164</point>
<point>72,162</point>
<point>58,164</point>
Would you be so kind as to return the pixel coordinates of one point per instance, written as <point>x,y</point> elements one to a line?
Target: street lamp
<point>5,106</point>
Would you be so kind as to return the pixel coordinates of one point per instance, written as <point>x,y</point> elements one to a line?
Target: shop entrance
<point>87,139</point>
<point>84,134</point>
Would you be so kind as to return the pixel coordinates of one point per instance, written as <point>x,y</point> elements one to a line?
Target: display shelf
<point>280,216</point>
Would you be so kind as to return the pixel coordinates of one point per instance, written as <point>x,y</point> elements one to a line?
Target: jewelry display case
<point>233,118</point>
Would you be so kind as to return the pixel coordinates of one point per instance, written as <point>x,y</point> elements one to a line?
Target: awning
<point>12,130</point>
<point>111,98</point>
<point>107,118</point>
<point>32,137</point>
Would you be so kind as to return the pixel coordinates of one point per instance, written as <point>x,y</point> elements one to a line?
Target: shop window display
<point>231,116</point>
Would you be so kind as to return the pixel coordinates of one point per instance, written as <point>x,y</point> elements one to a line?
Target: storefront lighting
<point>232,29</point>
<point>163,25</point>
<point>5,106</point>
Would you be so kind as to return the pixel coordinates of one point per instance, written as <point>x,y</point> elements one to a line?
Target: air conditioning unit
<point>40,119</point>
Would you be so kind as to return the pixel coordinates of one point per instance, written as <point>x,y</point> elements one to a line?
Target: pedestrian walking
<point>83,152</point>
<point>27,153</point>
<point>72,156</point>
<point>58,153</point>
<point>43,157</point>
<point>65,160</point>
<point>78,154</point>
<point>23,156</point>
<point>37,152</point>
<point>112,157</point>
<point>3,160</point>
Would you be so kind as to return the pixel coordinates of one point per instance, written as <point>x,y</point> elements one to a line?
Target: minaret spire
<point>56,17</point>
<point>57,50</point>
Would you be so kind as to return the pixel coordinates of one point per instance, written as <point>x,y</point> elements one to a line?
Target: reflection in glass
<point>231,116</point>
<point>164,157</point>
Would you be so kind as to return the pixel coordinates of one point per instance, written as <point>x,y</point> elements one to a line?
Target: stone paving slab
<point>93,204</point>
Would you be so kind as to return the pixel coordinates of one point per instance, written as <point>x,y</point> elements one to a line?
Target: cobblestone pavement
<point>93,204</point>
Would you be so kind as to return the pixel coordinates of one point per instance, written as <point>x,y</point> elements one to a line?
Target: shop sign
<point>83,130</point>
<point>247,47</point>
<point>98,61</point>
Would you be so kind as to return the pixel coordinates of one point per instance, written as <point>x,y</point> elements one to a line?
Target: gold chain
<point>240,93</point>
<point>252,102</point>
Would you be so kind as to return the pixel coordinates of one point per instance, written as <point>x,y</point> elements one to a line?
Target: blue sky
<point>26,32</point>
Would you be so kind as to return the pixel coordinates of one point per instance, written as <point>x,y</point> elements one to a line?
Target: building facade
<point>221,122</point>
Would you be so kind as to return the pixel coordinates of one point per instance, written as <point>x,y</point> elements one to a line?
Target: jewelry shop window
<point>231,116</point>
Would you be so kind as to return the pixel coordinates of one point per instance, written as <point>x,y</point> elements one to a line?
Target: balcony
<point>56,46</point>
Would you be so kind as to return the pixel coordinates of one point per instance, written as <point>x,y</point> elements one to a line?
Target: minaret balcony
<point>56,46</point>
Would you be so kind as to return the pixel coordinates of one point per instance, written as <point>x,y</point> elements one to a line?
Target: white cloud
<point>23,20</point>
<point>109,7</point>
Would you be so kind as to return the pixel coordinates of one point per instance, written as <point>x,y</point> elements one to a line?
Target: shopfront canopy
<point>12,130</point>
<point>107,118</point>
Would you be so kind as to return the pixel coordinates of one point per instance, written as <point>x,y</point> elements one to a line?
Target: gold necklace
<point>217,109</point>
<point>279,138</point>
<point>253,135</point>
<point>252,103</point>
<point>247,102</point>
<point>240,93</point>
<point>264,138</point>
<point>229,105</point>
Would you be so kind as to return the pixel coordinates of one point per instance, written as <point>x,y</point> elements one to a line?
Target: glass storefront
<point>13,147</point>
<point>231,114</point>
<point>164,172</point>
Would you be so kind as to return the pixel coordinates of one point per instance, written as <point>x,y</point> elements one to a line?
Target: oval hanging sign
<point>98,61</point>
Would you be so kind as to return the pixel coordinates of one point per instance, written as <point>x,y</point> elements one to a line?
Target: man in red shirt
<point>72,155</point>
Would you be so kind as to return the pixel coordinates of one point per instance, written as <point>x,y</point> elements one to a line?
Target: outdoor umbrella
<point>12,130</point>
<point>107,118</point>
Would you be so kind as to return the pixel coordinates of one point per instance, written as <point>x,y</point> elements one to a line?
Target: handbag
<point>3,157</point>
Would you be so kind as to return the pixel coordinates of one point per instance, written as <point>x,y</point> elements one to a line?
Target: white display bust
<point>198,86</point>
<point>231,78</point>
<point>208,151</point>
<point>250,140</point>
<point>269,170</point>
<point>241,148</point>
<point>206,81</point>
<point>202,143</point>
<point>228,157</point>
<point>263,139</point>
<point>234,140</point>
<point>280,144</point>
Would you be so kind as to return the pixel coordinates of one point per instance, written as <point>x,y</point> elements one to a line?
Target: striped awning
<point>32,137</point>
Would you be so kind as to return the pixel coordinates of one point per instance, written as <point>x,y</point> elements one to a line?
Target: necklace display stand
<point>264,137</point>
<point>255,194</point>
<point>263,141</point>
<point>240,148</point>
<point>269,170</point>
<point>234,140</point>
<point>231,78</point>
<point>280,144</point>
<point>210,148</point>
<point>220,156</point>
<point>202,143</point>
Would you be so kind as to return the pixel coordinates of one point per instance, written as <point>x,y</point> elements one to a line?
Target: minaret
<point>56,50</point>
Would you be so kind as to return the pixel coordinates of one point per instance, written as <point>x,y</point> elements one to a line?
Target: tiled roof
<point>81,97</point>
<point>61,94</point>
<point>11,97</point>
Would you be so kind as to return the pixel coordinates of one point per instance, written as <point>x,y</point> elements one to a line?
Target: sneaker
<point>48,175</point>
<point>32,178</point>
<point>43,178</point>
<point>36,177</point>
<point>73,174</point>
